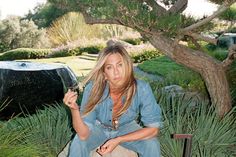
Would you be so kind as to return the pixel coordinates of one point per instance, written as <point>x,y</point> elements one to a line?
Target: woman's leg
<point>82,148</point>
<point>145,148</point>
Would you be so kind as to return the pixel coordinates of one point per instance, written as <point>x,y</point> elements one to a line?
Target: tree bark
<point>211,70</point>
<point>218,87</point>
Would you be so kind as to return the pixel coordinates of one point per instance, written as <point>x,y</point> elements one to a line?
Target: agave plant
<point>212,136</point>
<point>12,141</point>
<point>48,130</point>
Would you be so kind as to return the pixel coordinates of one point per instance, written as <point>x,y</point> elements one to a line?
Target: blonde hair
<point>99,82</point>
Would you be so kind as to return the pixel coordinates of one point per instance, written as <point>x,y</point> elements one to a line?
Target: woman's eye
<point>120,65</point>
<point>108,67</point>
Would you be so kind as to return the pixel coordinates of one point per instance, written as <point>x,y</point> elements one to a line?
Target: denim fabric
<point>99,135</point>
<point>100,119</point>
<point>143,102</point>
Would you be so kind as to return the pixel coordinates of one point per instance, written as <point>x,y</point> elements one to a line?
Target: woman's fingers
<point>70,99</point>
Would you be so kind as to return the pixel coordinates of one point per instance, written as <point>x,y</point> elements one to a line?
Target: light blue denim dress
<point>99,122</point>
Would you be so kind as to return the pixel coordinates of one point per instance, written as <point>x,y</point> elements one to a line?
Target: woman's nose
<point>116,71</point>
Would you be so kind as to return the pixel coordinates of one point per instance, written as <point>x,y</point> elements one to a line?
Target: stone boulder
<point>26,86</point>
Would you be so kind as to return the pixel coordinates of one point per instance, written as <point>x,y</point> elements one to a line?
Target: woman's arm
<point>80,127</point>
<point>78,124</point>
<point>141,134</point>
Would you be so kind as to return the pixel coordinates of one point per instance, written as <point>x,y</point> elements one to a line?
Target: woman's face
<point>114,70</point>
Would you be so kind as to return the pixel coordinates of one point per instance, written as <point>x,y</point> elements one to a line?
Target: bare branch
<point>160,11</point>
<point>198,46</point>
<point>201,37</point>
<point>179,6</point>
<point>91,20</point>
<point>221,9</point>
<point>231,56</point>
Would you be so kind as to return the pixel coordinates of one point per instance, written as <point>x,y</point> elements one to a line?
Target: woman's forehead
<point>113,58</point>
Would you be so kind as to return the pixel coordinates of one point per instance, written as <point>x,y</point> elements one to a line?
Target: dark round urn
<point>28,86</point>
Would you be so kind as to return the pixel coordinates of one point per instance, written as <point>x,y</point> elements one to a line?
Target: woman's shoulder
<point>141,83</point>
<point>88,85</point>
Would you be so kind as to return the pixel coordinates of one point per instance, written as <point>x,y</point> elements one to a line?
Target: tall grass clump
<point>13,142</point>
<point>212,136</point>
<point>48,129</point>
<point>71,27</point>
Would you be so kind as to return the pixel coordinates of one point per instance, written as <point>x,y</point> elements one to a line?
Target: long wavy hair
<point>97,76</point>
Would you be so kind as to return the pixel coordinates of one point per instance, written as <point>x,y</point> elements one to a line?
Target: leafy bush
<point>187,79</point>
<point>3,47</point>
<point>136,41</point>
<point>146,55</point>
<point>58,53</point>
<point>64,52</point>
<point>25,53</point>
<point>16,33</point>
<point>219,54</point>
<point>92,49</point>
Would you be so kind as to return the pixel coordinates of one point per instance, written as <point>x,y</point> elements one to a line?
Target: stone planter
<point>29,86</point>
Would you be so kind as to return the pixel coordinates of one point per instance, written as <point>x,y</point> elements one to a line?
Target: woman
<point>111,103</point>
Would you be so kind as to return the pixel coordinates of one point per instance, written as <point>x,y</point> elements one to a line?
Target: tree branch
<point>160,11</point>
<point>198,46</point>
<point>201,37</point>
<point>231,56</point>
<point>221,9</point>
<point>179,6</point>
<point>91,20</point>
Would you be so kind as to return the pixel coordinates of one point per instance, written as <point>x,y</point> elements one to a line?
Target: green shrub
<point>187,79</point>
<point>211,47</point>
<point>25,53</point>
<point>75,51</point>
<point>136,41</point>
<point>18,33</point>
<point>146,55</point>
<point>59,53</point>
<point>174,73</point>
<point>92,49</point>
<point>219,53</point>
<point>3,47</point>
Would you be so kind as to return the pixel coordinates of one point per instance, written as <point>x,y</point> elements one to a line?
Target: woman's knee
<point>78,143</point>
<point>152,143</point>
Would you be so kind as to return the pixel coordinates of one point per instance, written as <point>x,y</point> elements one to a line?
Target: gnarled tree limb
<point>197,36</point>
<point>221,9</point>
<point>160,11</point>
<point>231,56</point>
<point>179,6</point>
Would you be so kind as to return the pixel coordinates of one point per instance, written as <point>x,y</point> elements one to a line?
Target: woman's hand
<point>108,146</point>
<point>70,100</point>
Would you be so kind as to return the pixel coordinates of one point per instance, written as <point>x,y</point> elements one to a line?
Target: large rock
<point>28,86</point>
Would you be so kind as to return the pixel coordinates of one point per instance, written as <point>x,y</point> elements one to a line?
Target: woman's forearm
<point>78,124</point>
<point>142,134</point>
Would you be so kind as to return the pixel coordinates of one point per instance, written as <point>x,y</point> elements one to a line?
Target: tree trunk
<point>209,68</point>
<point>218,87</point>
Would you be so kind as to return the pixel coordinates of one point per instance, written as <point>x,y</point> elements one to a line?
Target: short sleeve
<point>150,110</point>
<point>90,118</point>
